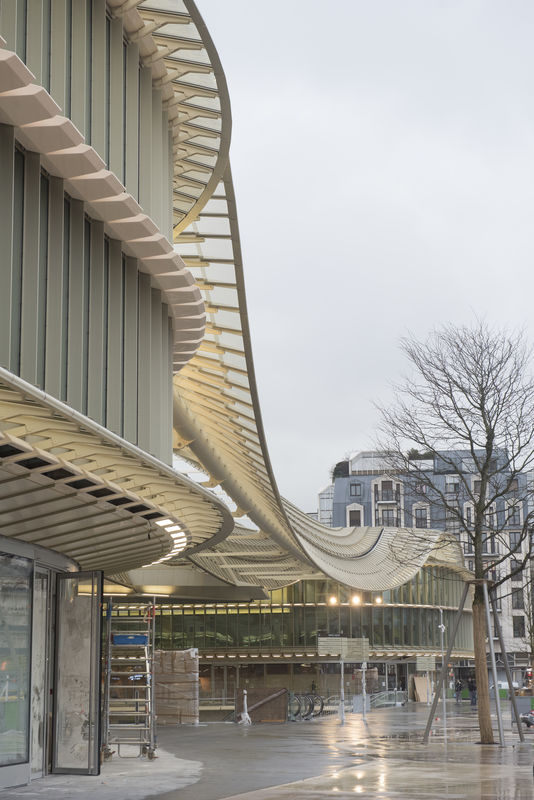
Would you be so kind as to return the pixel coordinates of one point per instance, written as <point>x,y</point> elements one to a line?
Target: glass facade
<point>15,658</point>
<point>293,617</point>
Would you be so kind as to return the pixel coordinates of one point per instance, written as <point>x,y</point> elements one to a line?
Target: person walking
<point>458,686</point>
<point>471,685</point>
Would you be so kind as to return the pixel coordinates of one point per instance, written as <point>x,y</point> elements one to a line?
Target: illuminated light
<point>163,522</point>
<point>378,600</point>
<point>358,789</point>
<point>333,601</point>
<point>173,528</point>
<point>356,600</point>
<point>359,776</point>
<point>382,779</point>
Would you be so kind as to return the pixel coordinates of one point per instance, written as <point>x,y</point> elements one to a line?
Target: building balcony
<point>388,522</point>
<point>387,496</point>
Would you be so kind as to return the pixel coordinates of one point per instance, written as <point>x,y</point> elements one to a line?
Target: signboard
<point>425,663</point>
<point>351,650</point>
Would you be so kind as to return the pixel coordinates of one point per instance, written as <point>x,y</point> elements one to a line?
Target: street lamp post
<point>364,691</point>
<point>442,632</point>
<point>342,693</point>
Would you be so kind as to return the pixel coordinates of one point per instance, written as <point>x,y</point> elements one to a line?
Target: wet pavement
<point>383,759</point>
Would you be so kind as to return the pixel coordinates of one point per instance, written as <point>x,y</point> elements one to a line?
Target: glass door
<point>40,677</point>
<point>16,581</point>
<point>77,673</point>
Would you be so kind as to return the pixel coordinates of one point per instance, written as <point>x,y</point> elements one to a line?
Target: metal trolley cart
<point>129,707</point>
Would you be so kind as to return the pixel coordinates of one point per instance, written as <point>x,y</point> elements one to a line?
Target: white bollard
<point>244,718</point>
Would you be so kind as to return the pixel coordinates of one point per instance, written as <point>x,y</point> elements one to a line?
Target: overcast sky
<point>383,162</point>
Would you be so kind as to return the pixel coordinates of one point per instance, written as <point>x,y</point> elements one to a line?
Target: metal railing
<point>393,697</point>
<point>387,496</point>
<point>215,702</point>
<point>388,522</point>
<point>331,704</point>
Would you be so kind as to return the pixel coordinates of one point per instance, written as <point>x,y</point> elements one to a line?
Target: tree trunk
<point>481,669</point>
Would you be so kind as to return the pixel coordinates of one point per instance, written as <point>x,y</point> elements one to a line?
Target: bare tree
<point>467,411</point>
<point>528,641</point>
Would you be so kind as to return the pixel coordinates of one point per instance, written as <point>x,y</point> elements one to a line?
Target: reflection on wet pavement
<point>383,759</point>
<point>398,779</point>
<point>394,765</point>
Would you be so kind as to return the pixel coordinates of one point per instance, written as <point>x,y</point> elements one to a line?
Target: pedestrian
<point>458,686</point>
<point>471,685</point>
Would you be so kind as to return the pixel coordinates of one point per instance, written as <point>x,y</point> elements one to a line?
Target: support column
<point>56,291</point>
<point>76,306</point>
<point>114,400</point>
<point>97,345</point>
<point>117,52</point>
<point>7,177</point>
<point>131,127</point>
<point>31,283</point>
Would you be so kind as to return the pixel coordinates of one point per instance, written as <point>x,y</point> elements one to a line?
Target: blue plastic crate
<point>130,638</point>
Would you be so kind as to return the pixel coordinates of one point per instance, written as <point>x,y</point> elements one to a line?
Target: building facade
<point>273,641</point>
<point>97,312</point>
<point>124,338</point>
<point>365,493</point>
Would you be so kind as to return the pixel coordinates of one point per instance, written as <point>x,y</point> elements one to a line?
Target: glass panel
<point>388,636</point>
<point>254,627</point>
<point>77,697</point>
<point>15,643</point>
<point>164,623</point>
<point>178,632</point>
<point>378,633</point>
<point>397,626</point>
<point>39,670</point>
<point>232,627</point>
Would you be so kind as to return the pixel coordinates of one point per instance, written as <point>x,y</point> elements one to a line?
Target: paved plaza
<point>383,759</point>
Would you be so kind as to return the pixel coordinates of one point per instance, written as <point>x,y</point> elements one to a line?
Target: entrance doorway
<point>50,669</point>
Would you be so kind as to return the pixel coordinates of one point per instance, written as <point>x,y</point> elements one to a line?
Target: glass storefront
<point>249,626</point>
<point>295,616</point>
<point>16,575</point>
